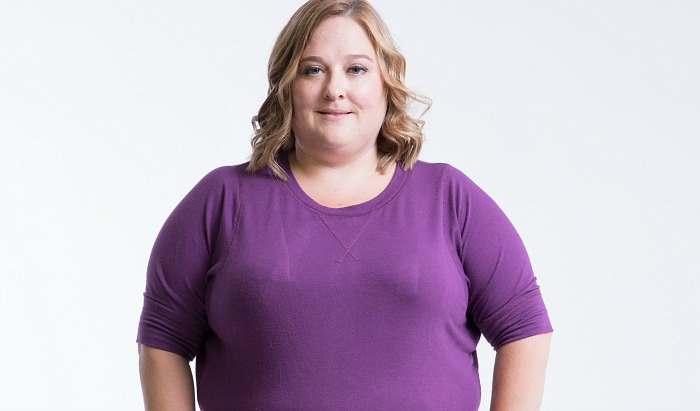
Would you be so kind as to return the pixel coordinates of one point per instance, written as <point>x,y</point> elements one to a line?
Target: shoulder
<point>224,175</point>
<point>446,175</point>
<point>231,177</point>
<point>453,188</point>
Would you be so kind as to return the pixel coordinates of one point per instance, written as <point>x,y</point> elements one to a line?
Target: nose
<point>335,86</point>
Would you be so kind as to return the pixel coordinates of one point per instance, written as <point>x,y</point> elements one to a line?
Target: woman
<point>335,271</point>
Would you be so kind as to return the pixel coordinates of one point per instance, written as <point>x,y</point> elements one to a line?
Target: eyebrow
<point>348,57</point>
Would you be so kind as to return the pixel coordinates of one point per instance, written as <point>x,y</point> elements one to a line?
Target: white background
<point>581,119</point>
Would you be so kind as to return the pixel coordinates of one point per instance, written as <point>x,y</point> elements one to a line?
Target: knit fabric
<point>287,304</point>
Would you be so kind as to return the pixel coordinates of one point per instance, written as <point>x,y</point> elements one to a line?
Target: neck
<point>340,184</point>
<point>330,167</point>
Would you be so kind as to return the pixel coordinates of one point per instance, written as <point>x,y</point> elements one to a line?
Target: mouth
<point>333,114</point>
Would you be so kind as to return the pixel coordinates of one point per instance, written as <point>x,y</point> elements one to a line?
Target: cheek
<point>300,97</point>
<point>372,95</point>
<point>296,94</point>
<point>302,93</point>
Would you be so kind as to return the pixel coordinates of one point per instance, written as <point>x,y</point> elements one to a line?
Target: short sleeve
<point>505,302</point>
<point>190,243</point>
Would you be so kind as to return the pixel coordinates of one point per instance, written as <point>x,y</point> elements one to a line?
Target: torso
<point>305,306</point>
<point>357,307</point>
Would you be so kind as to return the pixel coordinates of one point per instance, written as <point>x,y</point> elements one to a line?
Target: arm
<point>166,380</point>
<point>518,375</point>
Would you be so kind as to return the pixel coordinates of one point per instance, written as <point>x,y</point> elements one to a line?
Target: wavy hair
<point>401,135</point>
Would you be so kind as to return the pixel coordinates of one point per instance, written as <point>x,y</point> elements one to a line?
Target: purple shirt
<point>287,304</point>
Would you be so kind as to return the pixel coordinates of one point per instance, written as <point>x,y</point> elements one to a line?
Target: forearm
<point>518,375</point>
<point>166,380</point>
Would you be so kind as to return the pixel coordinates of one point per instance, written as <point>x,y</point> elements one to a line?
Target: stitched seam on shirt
<point>387,201</point>
<point>236,223</point>
<point>359,233</point>
<point>337,237</point>
<point>451,215</point>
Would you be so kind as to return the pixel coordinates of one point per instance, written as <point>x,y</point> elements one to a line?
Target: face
<point>338,97</point>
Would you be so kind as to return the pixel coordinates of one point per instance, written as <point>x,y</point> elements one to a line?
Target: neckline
<point>395,184</point>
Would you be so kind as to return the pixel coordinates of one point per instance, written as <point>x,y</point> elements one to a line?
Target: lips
<point>332,114</point>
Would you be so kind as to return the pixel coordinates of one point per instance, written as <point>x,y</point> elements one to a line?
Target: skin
<point>166,380</point>
<point>519,373</point>
<point>338,96</point>
<point>339,103</point>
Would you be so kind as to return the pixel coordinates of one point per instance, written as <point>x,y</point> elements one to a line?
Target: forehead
<point>340,34</point>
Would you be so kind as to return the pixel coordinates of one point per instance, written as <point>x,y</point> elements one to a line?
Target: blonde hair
<point>400,137</point>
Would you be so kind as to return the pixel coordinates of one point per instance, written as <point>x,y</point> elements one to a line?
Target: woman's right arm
<point>166,380</point>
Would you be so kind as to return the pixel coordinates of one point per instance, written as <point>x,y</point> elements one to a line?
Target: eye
<point>312,71</point>
<point>357,70</point>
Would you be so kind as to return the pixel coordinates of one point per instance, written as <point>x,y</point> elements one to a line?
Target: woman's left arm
<point>518,374</point>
